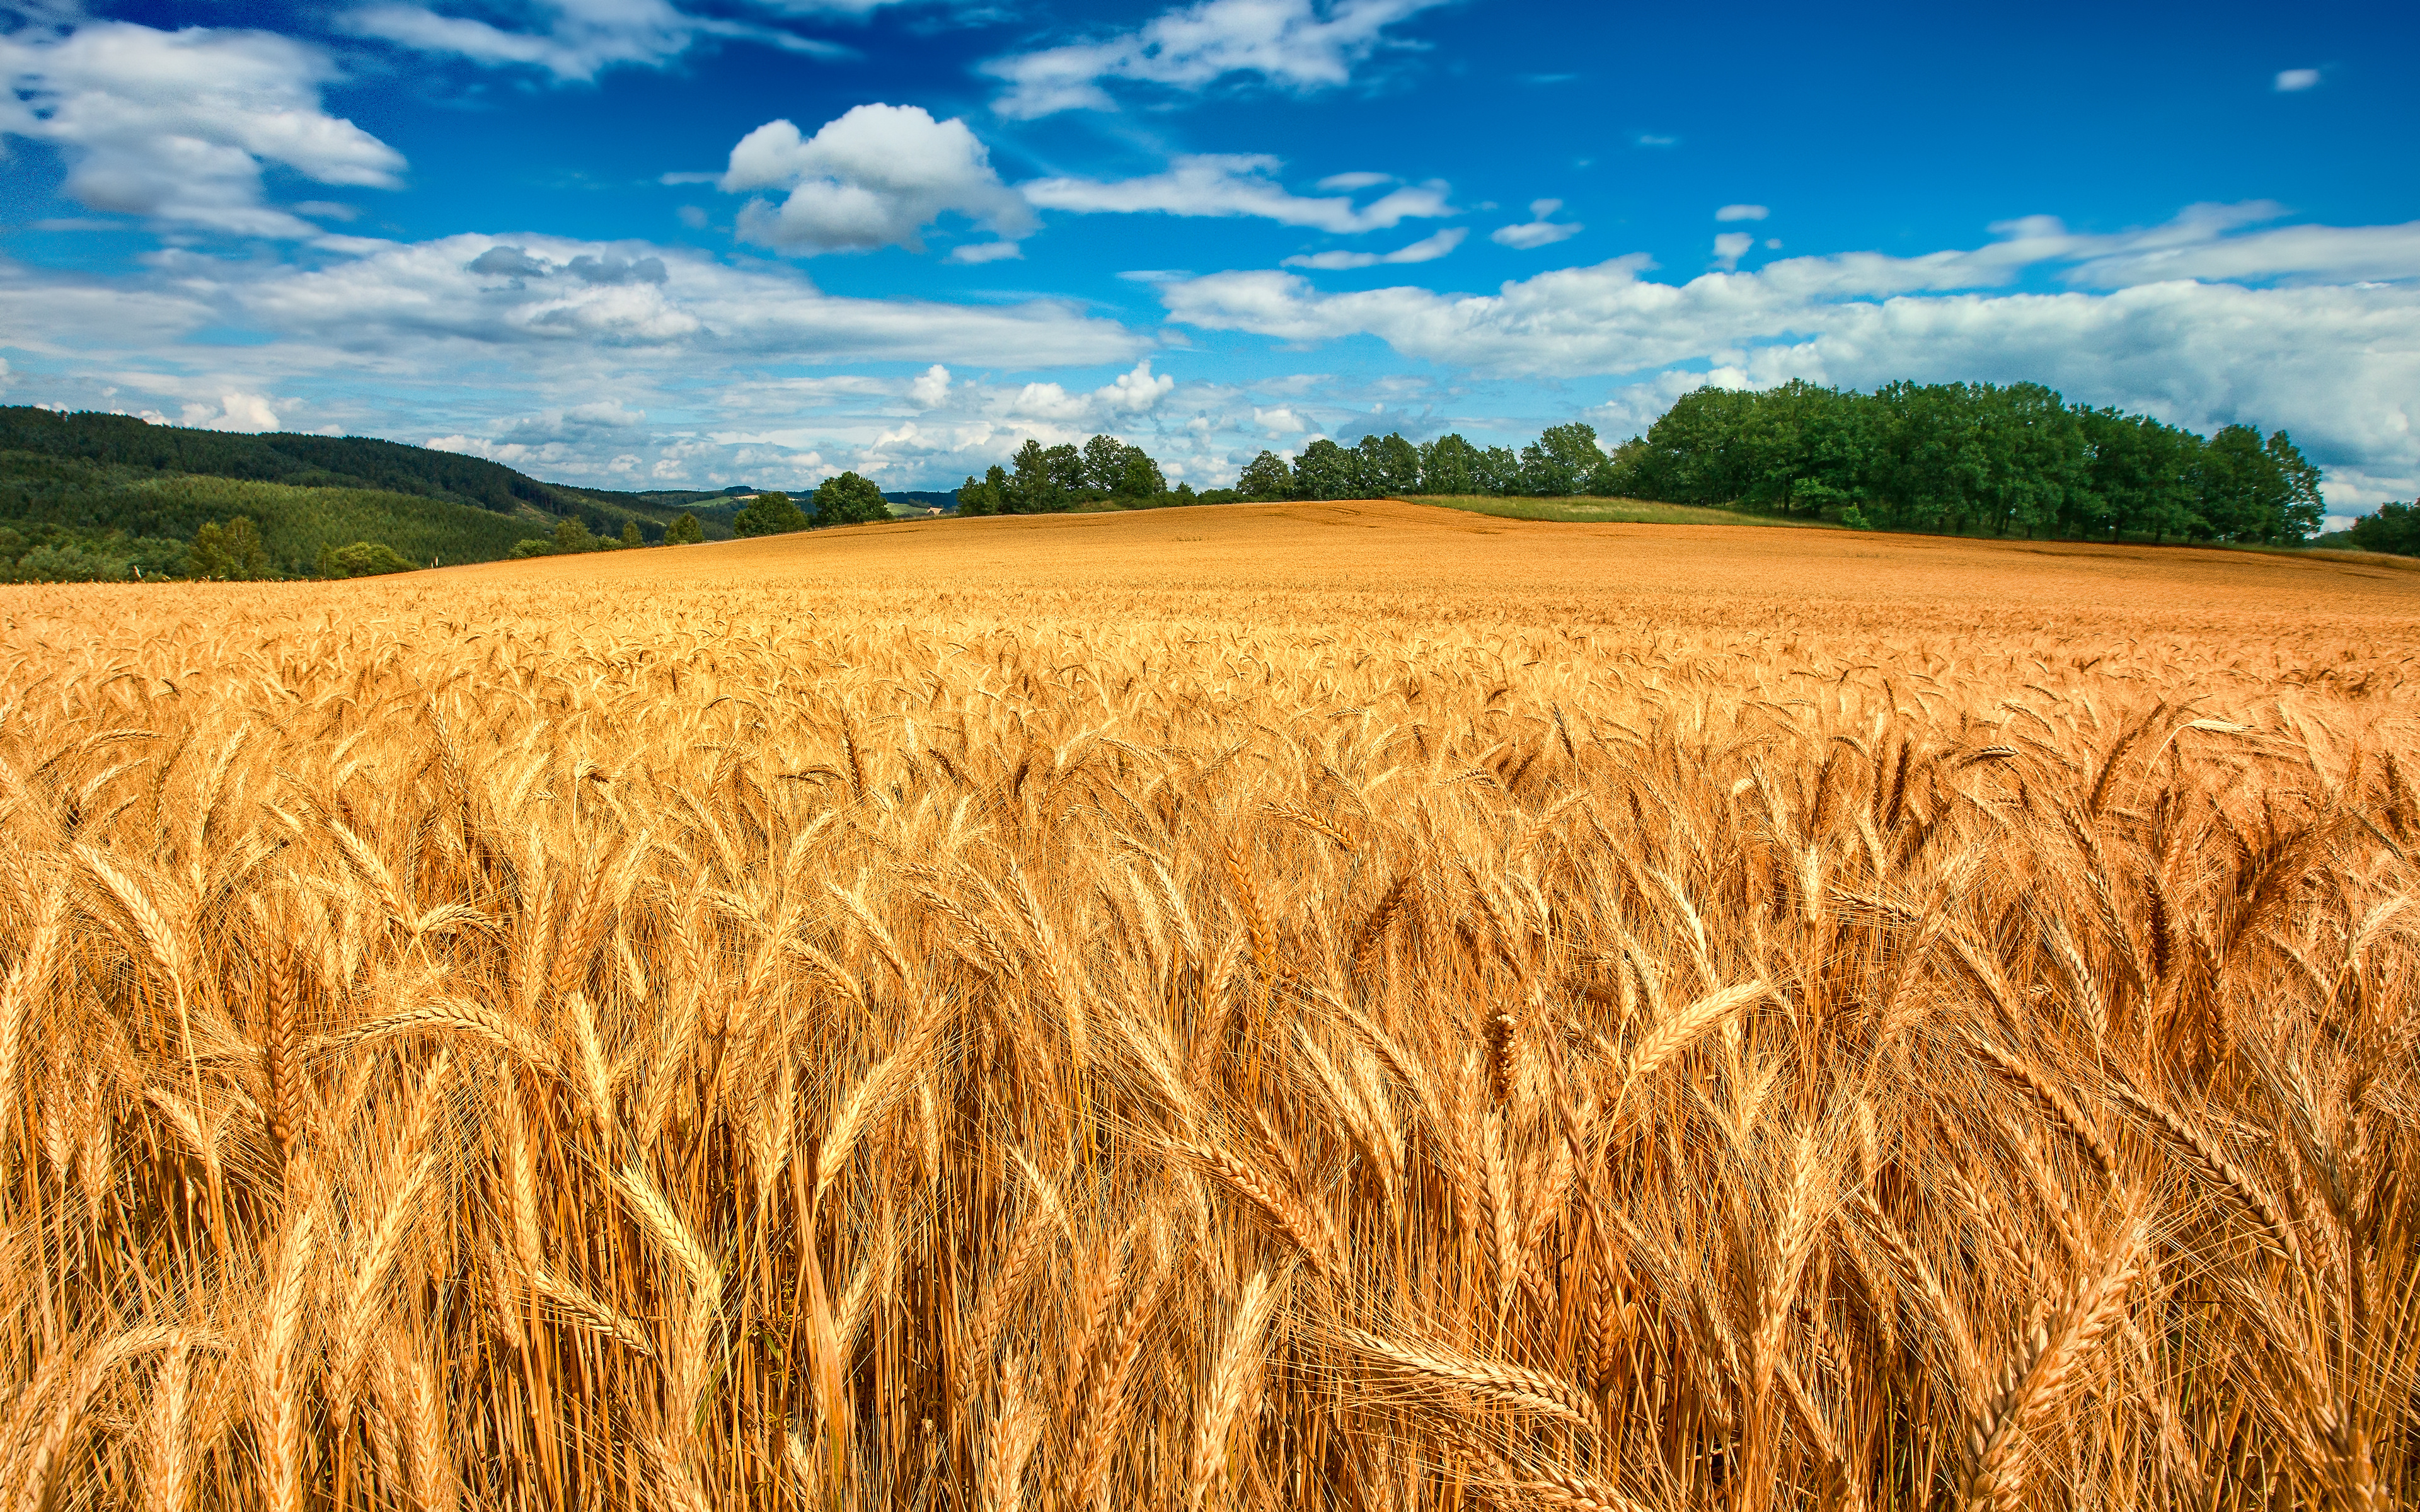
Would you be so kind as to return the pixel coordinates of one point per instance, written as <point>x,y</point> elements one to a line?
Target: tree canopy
<point>768,513</point>
<point>1942,456</point>
<point>848,500</point>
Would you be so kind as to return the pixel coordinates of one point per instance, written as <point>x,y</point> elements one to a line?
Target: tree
<point>1497,471</point>
<point>1562,461</point>
<point>769,514</point>
<point>1032,493</point>
<point>1325,471</point>
<point>849,499</point>
<point>1449,466</point>
<point>2306,508</point>
<point>571,534</point>
<point>2394,528</point>
<point>1397,468</point>
<point>1266,477</point>
<point>362,559</point>
<point>1105,464</point>
<point>631,535</point>
<point>232,552</point>
<point>684,530</point>
<point>1065,466</point>
<point>1139,476</point>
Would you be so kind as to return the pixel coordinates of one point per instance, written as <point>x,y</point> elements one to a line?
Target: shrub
<point>362,559</point>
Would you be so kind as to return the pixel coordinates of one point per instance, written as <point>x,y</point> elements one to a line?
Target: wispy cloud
<point>1428,249</point>
<point>1227,185</point>
<point>2292,81</point>
<point>1299,45</point>
<point>1541,230</point>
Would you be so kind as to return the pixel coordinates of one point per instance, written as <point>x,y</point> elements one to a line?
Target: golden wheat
<point>1036,1015</point>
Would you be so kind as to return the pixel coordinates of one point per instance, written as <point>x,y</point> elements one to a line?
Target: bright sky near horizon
<point>656,243</point>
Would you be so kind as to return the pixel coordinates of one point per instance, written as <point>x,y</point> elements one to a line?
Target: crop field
<point>1317,1006</point>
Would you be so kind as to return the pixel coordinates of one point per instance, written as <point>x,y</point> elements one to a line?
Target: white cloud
<point>1730,247</point>
<point>573,39</point>
<point>874,177</point>
<point>1300,45</point>
<point>1222,184</point>
<point>1539,231</point>
<point>178,125</point>
<point>1428,249</point>
<point>1136,392</point>
<point>248,412</point>
<point>2337,363</point>
<point>1742,212</point>
<point>1279,421</point>
<point>2291,79</point>
<point>1348,182</point>
<point>985,251</point>
<point>931,388</point>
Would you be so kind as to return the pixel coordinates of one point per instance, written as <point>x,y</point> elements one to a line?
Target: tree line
<point>1961,458</point>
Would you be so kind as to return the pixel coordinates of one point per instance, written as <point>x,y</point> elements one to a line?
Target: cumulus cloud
<point>178,126</point>
<point>1541,230</point>
<point>1236,184</point>
<point>1299,45</point>
<point>247,413</point>
<point>1742,212</point>
<point>1428,249</point>
<point>2337,364</point>
<point>875,177</point>
<point>1136,392</point>
<point>1730,247</point>
<point>931,388</point>
<point>2291,81</point>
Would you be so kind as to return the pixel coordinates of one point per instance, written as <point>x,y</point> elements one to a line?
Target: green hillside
<point>93,496</point>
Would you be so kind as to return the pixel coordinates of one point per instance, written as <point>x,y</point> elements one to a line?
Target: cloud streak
<point>1294,46</point>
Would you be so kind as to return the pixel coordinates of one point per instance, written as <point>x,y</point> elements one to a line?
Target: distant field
<point>1612,511</point>
<point>1259,1007</point>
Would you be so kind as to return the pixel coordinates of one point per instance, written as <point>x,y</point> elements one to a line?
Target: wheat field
<point>1305,1007</point>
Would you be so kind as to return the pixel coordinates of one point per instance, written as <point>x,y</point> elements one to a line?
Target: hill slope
<point>102,496</point>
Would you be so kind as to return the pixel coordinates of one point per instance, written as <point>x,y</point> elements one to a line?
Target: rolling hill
<point>95,496</point>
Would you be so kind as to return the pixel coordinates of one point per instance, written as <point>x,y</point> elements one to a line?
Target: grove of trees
<point>1046,480</point>
<point>1963,457</point>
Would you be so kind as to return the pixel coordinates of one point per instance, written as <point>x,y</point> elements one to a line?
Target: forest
<point>1965,459</point>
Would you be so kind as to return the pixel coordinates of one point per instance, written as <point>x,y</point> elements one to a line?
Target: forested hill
<point>87,495</point>
<point>304,461</point>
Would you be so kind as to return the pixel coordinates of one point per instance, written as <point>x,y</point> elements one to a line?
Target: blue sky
<point>645,243</point>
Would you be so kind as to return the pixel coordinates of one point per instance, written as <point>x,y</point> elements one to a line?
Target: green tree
<point>684,530</point>
<point>1266,477</point>
<point>632,535</point>
<point>2304,510</point>
<point>1496,473</point>
<point>1139,476</point>
<point>362,559</point>
<point>2392,529</point>
<point>1448,466</point>
<point>1033,492</point>
<point>571,534</point>
<point>1104,464</point>
<point>1065,466</point>
<point>769,514</point>
<point>1325,471</point>
<point>232,552</point>
<point>1561,461</point>
<point>849,499</point>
